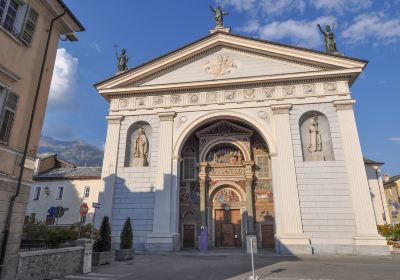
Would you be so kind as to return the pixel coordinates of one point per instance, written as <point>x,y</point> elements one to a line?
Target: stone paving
<point>236,265</point>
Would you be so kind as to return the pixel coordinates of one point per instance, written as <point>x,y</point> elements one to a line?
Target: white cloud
<point>63,80</point>
<point>268,7</point>
<point>376,27</point>
<point>240,5</point>
<point>394,139</point>
<point>301,33</point>
<point>341,6</point>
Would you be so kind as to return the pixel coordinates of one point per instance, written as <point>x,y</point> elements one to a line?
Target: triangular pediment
<point>224,128</point>
<point>222,63</point>
<point>222,59</point>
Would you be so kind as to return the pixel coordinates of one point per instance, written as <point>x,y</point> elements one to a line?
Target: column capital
<point>114,119</point>
<point>344,104</point>
<point>167,116</point>
<point>281,109</point>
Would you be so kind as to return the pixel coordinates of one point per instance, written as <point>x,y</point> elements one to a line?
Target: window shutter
<point>30,26</point>
<point>8,116</point>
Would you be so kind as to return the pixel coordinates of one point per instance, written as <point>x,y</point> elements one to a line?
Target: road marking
<point>274,278</point>
<point>93,276</point>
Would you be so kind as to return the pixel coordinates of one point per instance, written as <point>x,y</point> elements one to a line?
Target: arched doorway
<point>225,179</point>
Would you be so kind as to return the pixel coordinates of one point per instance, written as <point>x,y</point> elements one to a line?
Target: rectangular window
<point>263,167</point>
<point>60,193</point>
<point>11,16</point>
<point>8,116</point>
<point>36,195</point>
<point>30,26</point>
<point>87,191</point>
<point>189,168</point>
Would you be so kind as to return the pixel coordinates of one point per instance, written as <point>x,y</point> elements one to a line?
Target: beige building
<point>392,191</point>
<point>240,137</point>
<point>375,183</point>
<point>24,26</point>
<point>61,184</point>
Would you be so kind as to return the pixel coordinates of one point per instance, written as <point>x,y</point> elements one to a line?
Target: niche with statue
<point>316,137</point>
<point>137,153</point>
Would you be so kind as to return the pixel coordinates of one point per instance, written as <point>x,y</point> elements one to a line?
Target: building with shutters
<point>238,136</point>
<point>24,26</point>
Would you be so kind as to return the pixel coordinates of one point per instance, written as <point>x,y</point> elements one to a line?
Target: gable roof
<point>278,49</point>
<point>392,179</point>
<point>70,173</point>
<point>372,162</point>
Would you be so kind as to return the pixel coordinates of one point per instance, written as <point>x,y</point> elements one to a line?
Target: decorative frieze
<point>240,95</point>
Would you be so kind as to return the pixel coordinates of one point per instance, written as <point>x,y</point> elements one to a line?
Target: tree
<point>126,235</point>
<point>103,244</point>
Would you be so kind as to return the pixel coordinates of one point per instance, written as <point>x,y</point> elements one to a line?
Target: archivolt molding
<point>228,95</point>
<point>245,150</point>
<point>228,115</point>
<point>227,184</point>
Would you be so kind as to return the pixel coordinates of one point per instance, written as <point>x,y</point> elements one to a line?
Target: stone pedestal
<point>289,236</point>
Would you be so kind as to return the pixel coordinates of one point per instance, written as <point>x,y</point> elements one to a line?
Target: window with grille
<point>36,195</point>
<point>60,193</point>
<point>87,191</point>
<point>189,168</point>
<point>8,116</point>
<point>263,167</point>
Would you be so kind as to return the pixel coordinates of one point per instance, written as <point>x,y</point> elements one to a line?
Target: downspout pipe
<point>21,171</point>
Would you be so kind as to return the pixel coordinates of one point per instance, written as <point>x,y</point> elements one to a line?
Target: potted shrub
<point>125,252</point>
<point>102,253</point>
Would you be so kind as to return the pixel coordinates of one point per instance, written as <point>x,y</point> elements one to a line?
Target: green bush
<point>390,232</point>
<point>126,235</point>
<point>103,243</point>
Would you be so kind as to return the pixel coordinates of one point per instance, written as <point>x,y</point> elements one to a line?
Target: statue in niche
<point>141,149</point>
<point>219,16</point>
<point>314,141</point>
<point>330,41</point>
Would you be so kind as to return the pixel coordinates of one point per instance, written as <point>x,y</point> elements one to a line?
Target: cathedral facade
<point>237,136</point>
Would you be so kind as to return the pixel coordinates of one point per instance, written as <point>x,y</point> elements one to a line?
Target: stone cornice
<point>114,119</point>
<point>167,116</point>
<point>344,104</point>
<point>281,109</point>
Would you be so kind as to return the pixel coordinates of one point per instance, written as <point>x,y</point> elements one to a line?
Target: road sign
<point>95,205</point>
<point>59,212</point>
<point>83,210</point>
<point>251,244</point>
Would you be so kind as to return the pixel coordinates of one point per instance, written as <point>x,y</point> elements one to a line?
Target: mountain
<point>77,152</point>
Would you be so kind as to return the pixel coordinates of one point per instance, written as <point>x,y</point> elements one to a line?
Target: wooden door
<point>228,228</point>
<point>188,236</point>
<point>267,232</point>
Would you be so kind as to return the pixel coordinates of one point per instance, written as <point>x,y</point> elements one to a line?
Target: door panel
<point>228,235</point>
<point>228,228</point>
<point>267,232</point>
<point>188,236</point>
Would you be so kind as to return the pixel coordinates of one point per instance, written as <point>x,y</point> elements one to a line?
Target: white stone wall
<point>325,196</point>
<point>375,184</point>
<point>135,186</point>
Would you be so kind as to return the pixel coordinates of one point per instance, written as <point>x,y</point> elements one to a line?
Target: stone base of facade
<point>362,250</point>
<point>293,245</point>
<point>161,243</point>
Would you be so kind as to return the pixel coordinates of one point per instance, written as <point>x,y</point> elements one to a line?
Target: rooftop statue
<point>122,61</point>
<point>330,41</point>
<point>219,16</point>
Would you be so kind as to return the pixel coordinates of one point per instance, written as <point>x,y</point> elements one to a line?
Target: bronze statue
<point>330,41</point>
<point>219,16</point>
<point>122,61</point>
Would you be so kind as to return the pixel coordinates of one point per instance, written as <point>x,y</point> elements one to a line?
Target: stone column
<point>366,230</point>
<point>163,238</point>
<point>109,169</point>
<point>249,197</point>
<point>203,193</point>
<point>289,228</point>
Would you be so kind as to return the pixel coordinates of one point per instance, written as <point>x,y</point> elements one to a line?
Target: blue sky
<point>147,29</point>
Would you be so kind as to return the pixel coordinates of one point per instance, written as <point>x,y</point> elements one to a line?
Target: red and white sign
<point>84,209</point>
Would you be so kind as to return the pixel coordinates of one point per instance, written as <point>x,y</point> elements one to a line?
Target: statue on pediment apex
<point>330,41</point>
<point>122,61</point>
<point>219,16</point>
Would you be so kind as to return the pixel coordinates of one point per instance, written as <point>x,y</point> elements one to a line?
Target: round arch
<point>208,117</point>
<point>232,141</point>
<point>227,184</point>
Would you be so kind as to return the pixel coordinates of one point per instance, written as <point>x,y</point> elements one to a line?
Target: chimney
<point>386,178</point>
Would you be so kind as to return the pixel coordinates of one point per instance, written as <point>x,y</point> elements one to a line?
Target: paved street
<point>237,266</point>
